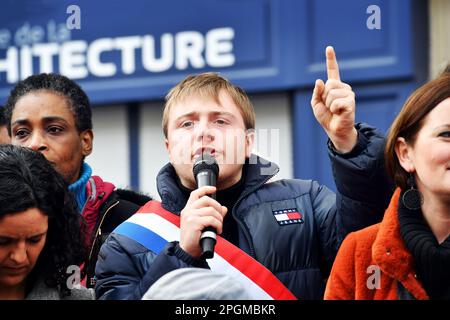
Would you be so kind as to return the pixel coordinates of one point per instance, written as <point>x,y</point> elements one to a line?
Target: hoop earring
<point>412,199</point>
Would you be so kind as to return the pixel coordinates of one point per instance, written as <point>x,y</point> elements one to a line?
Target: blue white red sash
<point>153,227</point>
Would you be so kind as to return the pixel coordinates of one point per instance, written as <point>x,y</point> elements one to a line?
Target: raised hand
<point>333,105</point>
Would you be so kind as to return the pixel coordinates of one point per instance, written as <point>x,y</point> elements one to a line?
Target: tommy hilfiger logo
<point>288,216</point>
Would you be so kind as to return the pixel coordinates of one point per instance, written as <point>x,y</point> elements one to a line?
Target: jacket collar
<point>258,171</point>
<point>78,188</point>
<point>390,253</point>
<point>97,193</point>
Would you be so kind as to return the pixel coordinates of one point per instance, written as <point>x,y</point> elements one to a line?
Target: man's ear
<point>249,141</point>
<point>404,155</point>
<point>166,143</point>
<point>87,140</point>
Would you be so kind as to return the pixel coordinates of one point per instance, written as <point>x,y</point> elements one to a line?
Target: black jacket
<point>300,255</point>
<point>115,209</point>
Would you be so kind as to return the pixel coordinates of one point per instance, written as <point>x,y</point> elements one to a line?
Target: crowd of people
<point>68,234</point>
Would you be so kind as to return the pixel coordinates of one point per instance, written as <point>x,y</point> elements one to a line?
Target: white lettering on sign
<point>107,57</point>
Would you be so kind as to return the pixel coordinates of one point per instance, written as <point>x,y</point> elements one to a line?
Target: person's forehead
<point>222,103</point>
<point>442,108</point>
<point>439,115</point>
<point>43,104</point>
<point>29,222</point>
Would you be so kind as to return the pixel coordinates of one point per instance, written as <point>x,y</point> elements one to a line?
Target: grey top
<point>196,284</point>
<point>41,291</point>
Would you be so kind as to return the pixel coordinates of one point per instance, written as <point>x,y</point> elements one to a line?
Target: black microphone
<point>206,172</point>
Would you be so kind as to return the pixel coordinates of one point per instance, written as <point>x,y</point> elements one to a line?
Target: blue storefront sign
<point>134,50</point>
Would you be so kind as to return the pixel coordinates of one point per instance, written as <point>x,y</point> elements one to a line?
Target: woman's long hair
<point>410,120</point>
<point>28,180</point>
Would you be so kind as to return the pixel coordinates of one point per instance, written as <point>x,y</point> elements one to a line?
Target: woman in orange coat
<point>407,255</point>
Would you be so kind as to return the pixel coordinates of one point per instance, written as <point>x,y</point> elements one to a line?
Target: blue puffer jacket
<point>300,255</point>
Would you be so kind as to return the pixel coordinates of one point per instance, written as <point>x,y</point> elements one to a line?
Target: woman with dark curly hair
<point>51,114</point>
<point>40,234</point>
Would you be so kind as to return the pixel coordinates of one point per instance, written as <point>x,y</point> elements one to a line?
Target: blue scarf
<point>78,188</point>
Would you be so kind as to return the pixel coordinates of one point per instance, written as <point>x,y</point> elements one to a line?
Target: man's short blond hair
<point>209,84</point>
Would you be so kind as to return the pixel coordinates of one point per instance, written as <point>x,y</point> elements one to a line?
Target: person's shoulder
<point>295,187</point>
<point>121,205</point>
<point>367,234</point>
<point>127,199</point>
<point>120,252</point>
<point>113,194</point>
<point>362,240</point>
<point>123,244</point>
<point>130,196</point>
<point>278,190</point>
<point>80,293</point>
<point>42,291</point>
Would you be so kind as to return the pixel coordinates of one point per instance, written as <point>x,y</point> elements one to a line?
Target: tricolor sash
<point>153,227</point>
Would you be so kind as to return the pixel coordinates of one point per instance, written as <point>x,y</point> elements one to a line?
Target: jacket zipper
<point>99,231</point>
<point>243,227</point>
<point>92,196</point>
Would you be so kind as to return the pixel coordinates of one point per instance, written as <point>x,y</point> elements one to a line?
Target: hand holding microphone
<point>202,217</point>
<point>206,172</point>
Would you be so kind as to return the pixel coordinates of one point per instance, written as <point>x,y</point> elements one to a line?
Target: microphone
<point>206,172</point>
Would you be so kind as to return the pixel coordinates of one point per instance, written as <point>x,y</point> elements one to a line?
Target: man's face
<point>44,122</point>
<point>198,124</point>
<point>4,136</point>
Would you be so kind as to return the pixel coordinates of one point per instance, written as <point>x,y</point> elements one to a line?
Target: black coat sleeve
<point>363,193</point>
<point>363,187</point>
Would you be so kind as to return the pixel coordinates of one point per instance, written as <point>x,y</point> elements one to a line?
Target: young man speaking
<point>280,236</point>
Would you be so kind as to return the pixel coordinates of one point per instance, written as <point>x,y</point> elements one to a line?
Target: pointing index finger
<point>332,65</point>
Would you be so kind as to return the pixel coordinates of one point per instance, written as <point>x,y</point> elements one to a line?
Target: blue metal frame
<point>133,112</point>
